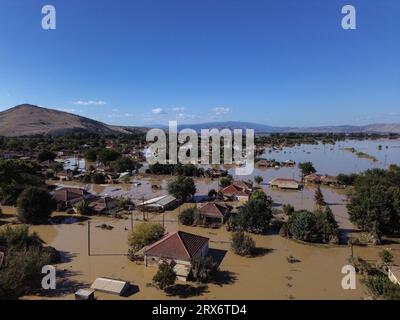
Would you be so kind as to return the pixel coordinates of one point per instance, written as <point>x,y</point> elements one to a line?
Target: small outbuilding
<point>159,204</point>
<point>284,184</point>
<point>111,286</point>
<point>84,294</point>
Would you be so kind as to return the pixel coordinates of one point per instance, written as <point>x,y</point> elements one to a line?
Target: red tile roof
<point>212,209</point>
<point>178,246</point>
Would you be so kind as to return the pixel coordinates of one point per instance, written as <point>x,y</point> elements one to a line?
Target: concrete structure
<point>284,184</point>
<point>158,204</point>
<point>180,247</point>
<point>112,286</point>
<point>394,274</point>
<point>84,294</point>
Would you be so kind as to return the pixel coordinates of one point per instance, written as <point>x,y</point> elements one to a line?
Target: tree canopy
<point>182,188</point>
<point>254,216</point>
<point>375,201</point>
<point>144,234</point>
<point>35,205</point>
<point>307,168</point>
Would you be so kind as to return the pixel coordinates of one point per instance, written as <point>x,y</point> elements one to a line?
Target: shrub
<point>242,244</point>
<point>187,216</point>
<point>83,208</point>
<point>203,269</point>
<point>165,276</point>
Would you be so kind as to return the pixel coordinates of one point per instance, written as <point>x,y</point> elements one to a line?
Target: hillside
<point>24,120</point>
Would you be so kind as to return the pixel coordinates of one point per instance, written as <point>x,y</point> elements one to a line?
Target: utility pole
<point>144,217</point>
<point>88,237</point>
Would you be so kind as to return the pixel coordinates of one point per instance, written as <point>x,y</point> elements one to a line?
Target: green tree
<point>225,181</point>
<point>91,155</point>
<point>182,187</point>
<point>386,257</point>
<point>106,156</point>
<point>35,205</point>
<point>242,244</point>
<point>144,234</point>
<point>327,226</point>
<point>374,204</point>
<point>83,207</point>
<point>261,195</point>
<point>258,179</point>
<point>165,276</point>
<point>187,216</point>
<point>20,273</point>
<point>307,168</point>
<point>15,176</point>
<point>123,164</point>
<point>253,217</point>
<point>301,225</point>
<point>203,268</point>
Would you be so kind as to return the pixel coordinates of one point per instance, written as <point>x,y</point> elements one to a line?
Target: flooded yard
<point>317,275</point>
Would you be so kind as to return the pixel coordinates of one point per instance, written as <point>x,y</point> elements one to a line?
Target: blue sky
<point>277,62</point>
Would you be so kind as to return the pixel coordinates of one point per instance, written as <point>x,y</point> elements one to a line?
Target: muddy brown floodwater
<point>317,275</point>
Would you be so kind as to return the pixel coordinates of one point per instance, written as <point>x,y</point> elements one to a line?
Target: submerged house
<point>103,205</point>
<point>70,196</point>
<point>158,204</point>
<point>281,183</point>
<point>314,178</point>
<point>237,191</point>
<point>180,247</point>
<point>213,212</point>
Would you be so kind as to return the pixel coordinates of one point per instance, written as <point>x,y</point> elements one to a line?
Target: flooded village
<point>109,202</point>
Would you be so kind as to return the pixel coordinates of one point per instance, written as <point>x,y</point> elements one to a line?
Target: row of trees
<point>187,170</point>
<point>319,226</point>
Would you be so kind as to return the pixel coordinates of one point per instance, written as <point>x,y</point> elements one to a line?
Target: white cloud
<point>158,111</point>
<point>220,111</point>
<point>179,109</point>
<point>90,102</point>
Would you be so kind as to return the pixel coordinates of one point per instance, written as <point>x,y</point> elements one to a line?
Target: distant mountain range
<point>26,119</point>
<point>261,128</point>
